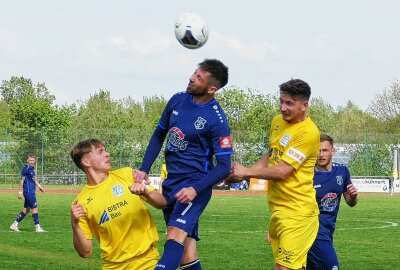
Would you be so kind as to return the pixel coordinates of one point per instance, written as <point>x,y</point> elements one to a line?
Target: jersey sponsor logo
<point>176,140</point>
<point>329,202</point>
<point>285,140</point>
<point>114,210</point>
<point>117,190</point>
<point>225,142</point>
<point>104,218</point>
<point>296,155</point>
<point>339,180</point>
<point>200,123</point>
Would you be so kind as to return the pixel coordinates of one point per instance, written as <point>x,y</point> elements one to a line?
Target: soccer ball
<point>191,30</point>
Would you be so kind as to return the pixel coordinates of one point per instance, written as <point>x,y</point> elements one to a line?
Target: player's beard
<point>198,92</point>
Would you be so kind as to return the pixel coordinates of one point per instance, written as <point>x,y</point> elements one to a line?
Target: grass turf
<point>232,231</point>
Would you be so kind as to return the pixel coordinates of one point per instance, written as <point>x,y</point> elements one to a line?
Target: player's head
<point>326,151</point>
<point>90,152</point>
<point>210,75</point>
<point>294,97</point>
<point>31,160</point>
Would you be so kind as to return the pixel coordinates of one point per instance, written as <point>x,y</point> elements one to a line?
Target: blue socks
<point>20,217</point>
<point>172,256</point>
<point>35,218</point>
<point>195,265</point>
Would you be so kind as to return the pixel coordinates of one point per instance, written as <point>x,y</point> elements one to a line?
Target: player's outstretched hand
<point>138,189</point>
<point>77,211</point>
<point>186,195</point>
<point>352,191</point>
<point>141,177</point>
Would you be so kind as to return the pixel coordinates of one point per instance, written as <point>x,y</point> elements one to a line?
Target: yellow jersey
<point>119,220</point>
<point>298,145</point>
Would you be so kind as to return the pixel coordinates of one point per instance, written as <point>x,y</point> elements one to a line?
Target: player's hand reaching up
<point>77,211</point>
<point>141,177</point>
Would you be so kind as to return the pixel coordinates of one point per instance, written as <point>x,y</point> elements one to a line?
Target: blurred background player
<point>163,176</point>
<point>293,151</point>
<point>331,180</point>
<point>107,209</point>
<point>198,130</point>
<point>27,189</point>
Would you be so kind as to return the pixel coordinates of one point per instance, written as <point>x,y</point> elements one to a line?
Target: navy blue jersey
<point>195,133</point>
<point>29,174</point>
<point>330,185</point>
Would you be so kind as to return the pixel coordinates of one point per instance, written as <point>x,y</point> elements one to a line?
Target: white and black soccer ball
<point>191,30</point>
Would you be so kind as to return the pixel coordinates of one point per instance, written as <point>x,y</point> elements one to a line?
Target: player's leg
<point>296,236</point>
<point>20,217</point>
<point>322,256</point>
<point>173,249</point>
<point>190,260</point>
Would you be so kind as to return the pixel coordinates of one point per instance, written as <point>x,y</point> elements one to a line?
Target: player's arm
<point>153,197</point>
<point>39,186</point>
<point>21,185</point>
<point>152,151</point>
<point>351,195</point>
<point>280,171</point>
<point>82,245</point>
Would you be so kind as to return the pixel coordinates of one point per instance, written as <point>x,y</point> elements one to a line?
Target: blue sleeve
<point>219,172</point>
<point>24,171</point>
<point>153,148</point>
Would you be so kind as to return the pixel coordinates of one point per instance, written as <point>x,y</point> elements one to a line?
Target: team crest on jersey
<point>296,155</point>
<point>176,140</point>
<point>200,123</point>
<point>329,202</point>
<point>339,180</point>
<point>225,142</point>
<point>117,190</point>
<point>285,140</point>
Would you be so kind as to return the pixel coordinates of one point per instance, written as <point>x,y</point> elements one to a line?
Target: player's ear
<point>85,162</point>
<point>333,150</point>
<point>212,90</point>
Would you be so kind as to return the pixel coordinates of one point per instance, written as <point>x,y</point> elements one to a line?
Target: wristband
<point>19,192</point>
<point>39,186</point>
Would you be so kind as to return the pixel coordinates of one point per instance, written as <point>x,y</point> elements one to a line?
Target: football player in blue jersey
<point>27,189</point>
<point>331,180</point>
<point>197,130</point>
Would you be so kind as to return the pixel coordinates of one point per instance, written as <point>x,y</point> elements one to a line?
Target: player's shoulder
<point>339,167</point>
<point>124,171</point>
<point>179,96</point>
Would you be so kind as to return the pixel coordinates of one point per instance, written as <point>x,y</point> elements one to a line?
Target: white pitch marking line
<point>389,224</point>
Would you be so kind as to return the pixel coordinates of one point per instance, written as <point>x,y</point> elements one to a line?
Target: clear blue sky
<point>346,50</point>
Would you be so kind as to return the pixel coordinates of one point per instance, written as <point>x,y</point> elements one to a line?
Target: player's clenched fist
<point>138,189</point>
<point>77,211</point>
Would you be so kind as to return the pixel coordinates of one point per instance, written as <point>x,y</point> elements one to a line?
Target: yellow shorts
<point>291,238</point>
<point>146,261</point>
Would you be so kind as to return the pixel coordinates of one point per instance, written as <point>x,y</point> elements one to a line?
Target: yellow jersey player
<point>293,151</point>
<point>107,209</point>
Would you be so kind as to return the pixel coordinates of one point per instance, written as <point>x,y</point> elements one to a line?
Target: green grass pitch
<point>232,228</point>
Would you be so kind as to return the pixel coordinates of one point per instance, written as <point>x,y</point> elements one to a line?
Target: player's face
<point>31,161</point>
<point>98,159</point>
<point>326,152</point>
<point>198,83</point>
<point>292,110</point>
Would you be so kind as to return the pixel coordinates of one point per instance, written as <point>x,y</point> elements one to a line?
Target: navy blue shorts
<point>322,256</point>
<point>184,216</point>
<point>30,200</point>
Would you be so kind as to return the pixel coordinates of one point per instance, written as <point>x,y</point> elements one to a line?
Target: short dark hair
<point>82,148</point>
<point>219,72</point>
<point>296,88</point>
<point>326,138</point>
